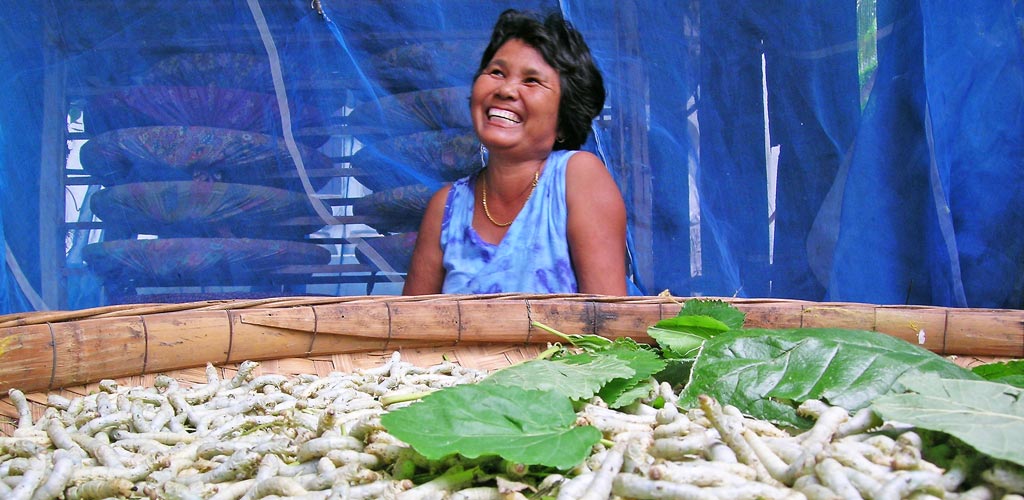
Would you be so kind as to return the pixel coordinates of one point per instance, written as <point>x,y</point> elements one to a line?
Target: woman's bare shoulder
<point>586,170</point>
<point>441,193</point>
<point>426,272</point>
<point>585,160</point>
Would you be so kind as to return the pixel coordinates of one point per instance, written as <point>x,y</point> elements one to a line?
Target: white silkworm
<point>54,485</point>
<point>813,489</point>
<point>275,486</point>
<point>648,420</point>
<point>380,489</point>
<point>831,474</point>
<point>680,426</point>
<point>105,405</point>
<point>1006,476</point>
<point>24,447</point>
<point>634,486</point>
<point>729,428</point>
<point>57,401</point>
<point>852,456</point>
<point>98,449</point>
<point>826,426</point>
<point>101,488</point>
<point>610,426</point>
<point>864,420</point>
<point>342,457</point>
<point>105,422</point>
<point>775,466</point>
<point>866,485</point>
<point>21,405</point>
<point>788,449</point>
<point>233,491</point>
<point>238,466</point>
<point>904,483</point>
<point>601,485</point>
<point>348,474</point>
<point>717,451</point>
<point>681,448</point>
<point>667,414</point>
<point>30,480</point>
<point>162,437</point>
<point>478,493</point>
<point>576,487</point>
<point>702,473</point>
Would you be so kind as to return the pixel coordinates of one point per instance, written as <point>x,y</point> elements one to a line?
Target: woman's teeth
<point>504,115</point>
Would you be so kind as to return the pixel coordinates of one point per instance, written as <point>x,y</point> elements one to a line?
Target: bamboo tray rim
<point>137,309</point>
<point>65,348</point>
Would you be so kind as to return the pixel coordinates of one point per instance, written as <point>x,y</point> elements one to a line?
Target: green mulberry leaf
<point>767,373</point>
<point>698,320</point>
<point>523,426</point>
<point>1010,372</point>
<point>728,314</point>
<point>682,336</point>
<point>988,416</point>
<point>623,391</point>
<point>575,377</point>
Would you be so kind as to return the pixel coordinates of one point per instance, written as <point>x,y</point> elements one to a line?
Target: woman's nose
<point>507,89</point>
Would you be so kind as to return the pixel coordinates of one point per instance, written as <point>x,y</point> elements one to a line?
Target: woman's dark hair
<point>565,50</point>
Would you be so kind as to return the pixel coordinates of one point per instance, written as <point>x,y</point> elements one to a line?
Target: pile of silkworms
<point>309,437</point>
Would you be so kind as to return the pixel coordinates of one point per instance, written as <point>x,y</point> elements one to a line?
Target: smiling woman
<point>541,216</point>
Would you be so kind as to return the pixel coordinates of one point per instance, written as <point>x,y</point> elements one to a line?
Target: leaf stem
<point>550,351</point>
<point>401,398</point>
<point>550,330</point>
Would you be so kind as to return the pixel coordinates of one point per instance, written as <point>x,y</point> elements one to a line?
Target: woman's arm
<point>426,270</point>
<point>596,226</point>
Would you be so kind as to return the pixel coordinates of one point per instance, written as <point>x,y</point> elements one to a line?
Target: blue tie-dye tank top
<point>533,256</point>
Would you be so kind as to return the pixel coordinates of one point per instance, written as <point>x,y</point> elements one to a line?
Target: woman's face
<point>515,101</point>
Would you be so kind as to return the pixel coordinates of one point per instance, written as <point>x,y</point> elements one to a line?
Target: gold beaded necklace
<point>483,198</point>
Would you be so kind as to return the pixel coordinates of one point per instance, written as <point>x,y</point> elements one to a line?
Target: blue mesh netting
<point>179,150</point>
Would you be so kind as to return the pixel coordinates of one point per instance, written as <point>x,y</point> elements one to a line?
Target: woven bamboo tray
<point>66,351</point>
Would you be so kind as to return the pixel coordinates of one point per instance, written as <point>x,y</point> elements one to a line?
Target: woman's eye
<point>495,72</point>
